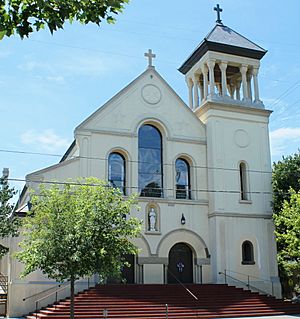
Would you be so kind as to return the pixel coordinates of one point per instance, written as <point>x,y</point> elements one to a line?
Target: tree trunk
<point>72,298</point>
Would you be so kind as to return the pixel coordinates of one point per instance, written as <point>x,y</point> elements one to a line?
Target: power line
<point>72,183</point>
<point>135,162</point>
<point>287,92</point>
<point>122,54</point>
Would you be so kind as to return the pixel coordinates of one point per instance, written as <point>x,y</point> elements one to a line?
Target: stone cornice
<point>227,107</point>
<point>240,215</point>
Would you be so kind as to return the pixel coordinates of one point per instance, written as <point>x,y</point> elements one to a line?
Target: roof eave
<point>219,47</point>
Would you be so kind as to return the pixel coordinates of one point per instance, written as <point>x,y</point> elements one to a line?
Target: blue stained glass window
<point>150,162</point>
<point>116,171</point>
<point>183,188</point>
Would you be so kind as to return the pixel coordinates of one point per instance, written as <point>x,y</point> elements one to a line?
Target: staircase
<point>149,301</point>
<point>3,295</point>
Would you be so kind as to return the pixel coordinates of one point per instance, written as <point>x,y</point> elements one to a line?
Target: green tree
<point>9,224</point>
<point>77,230</point>
<point>286,175</point>
<point>26,16</point>
<point>286,183</point>
<point>287,225</point>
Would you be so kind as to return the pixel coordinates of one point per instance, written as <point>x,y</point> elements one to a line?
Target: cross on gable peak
<point>219,10</point>
<point>150,57</point>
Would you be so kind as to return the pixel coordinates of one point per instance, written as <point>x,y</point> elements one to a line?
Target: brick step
<point>162,310</point>
<point>170,315</point>
<point>148,301</point>
<point>180,305</point>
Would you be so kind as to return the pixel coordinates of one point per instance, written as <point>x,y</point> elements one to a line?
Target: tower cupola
<point>224,68</point>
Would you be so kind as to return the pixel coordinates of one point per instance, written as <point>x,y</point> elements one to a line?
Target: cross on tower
<point>219,10</point>
<point>150,56</point>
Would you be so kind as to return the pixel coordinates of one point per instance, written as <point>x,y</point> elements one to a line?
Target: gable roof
<point>223,39</point>
<point>126,89</point>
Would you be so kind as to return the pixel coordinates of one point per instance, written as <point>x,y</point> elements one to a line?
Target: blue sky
<point>50,84</point>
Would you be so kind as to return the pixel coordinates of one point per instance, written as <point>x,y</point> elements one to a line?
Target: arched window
<point>150,162</point>
<point>243,181</point>
<point>116,171</point>
<point>247,253</point>
<point>183,187</point>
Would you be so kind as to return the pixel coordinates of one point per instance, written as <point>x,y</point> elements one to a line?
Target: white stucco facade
<point>214,134</point>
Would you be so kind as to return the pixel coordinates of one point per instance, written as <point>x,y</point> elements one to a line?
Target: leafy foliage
<point>287,224</point>
<point>26,16</point>
<point>78,230</point>
<point>8,223</point>
<point>286,206</point>
<point>286,174</point>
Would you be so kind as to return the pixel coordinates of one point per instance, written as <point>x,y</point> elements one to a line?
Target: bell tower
<point>222,80</point>
<point>223,68</point>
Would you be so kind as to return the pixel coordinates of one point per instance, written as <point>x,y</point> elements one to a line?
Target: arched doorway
<point>180,264</point>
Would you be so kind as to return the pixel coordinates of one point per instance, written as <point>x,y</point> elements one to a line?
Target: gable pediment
<point>148,97</point>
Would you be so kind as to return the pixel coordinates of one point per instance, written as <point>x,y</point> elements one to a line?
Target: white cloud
<point>72,65</point>
<point>45,140</point>
<point>59,79</point>
<point>284,140</point>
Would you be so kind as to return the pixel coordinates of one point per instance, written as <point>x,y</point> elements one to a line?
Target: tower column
<point>231,89</point>
<point>255,84</point>
<point>211,66</point>
<point>243,70</point>
<point>205,81</point>
<point>223,67</point>
<point>249,78</point>
<point>189,83</point>
<point>196,88</point>
<point>201,86</point>
<point>238,89</point>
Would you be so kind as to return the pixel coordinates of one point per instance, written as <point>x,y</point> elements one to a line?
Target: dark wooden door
<point>180,264</point>
<point>128,272</point>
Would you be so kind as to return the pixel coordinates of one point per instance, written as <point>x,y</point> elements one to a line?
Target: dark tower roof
<point>225,40</point>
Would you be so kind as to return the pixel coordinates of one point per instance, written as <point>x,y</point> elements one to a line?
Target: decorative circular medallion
<point>151,94</point>
<point>241,138</point>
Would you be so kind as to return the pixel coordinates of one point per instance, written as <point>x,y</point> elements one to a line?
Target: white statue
<point>152,219</point>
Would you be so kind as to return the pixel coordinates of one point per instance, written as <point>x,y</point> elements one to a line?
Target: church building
<point>202,171</point>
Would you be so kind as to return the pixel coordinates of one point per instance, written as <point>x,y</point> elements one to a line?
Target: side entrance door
<point>128,272</point>
<point>180,264</point>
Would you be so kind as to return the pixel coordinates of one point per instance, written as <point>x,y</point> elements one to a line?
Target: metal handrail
<point>247,284</point>
<point>240,273</point>
<point>52,293</point>
<point>4,283</point>
<point>182,285</point>
<point>44,291</point>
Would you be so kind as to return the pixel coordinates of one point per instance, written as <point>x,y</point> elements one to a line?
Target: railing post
<point>225,276</point>
<point>36,309</point>
<point>88,282</point>
<point>105,313</point>
<point>167,311</point>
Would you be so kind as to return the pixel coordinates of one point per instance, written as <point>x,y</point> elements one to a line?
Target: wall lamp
<point>183,221</point>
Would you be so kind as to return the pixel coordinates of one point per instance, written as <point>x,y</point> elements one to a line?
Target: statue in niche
<point>152,219</point>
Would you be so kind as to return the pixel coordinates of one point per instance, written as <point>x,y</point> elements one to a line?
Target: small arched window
<point>116,171</point>
<point>150,162</point>
<point>247,253</point>
<point>243,181</point>
<point>183,186</point>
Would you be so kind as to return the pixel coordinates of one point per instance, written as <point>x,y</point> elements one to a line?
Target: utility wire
<point>73,183</point>
<point>122,54</point>
<point>135,162</point>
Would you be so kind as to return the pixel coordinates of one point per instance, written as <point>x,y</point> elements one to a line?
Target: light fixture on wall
<point>183,221</point>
